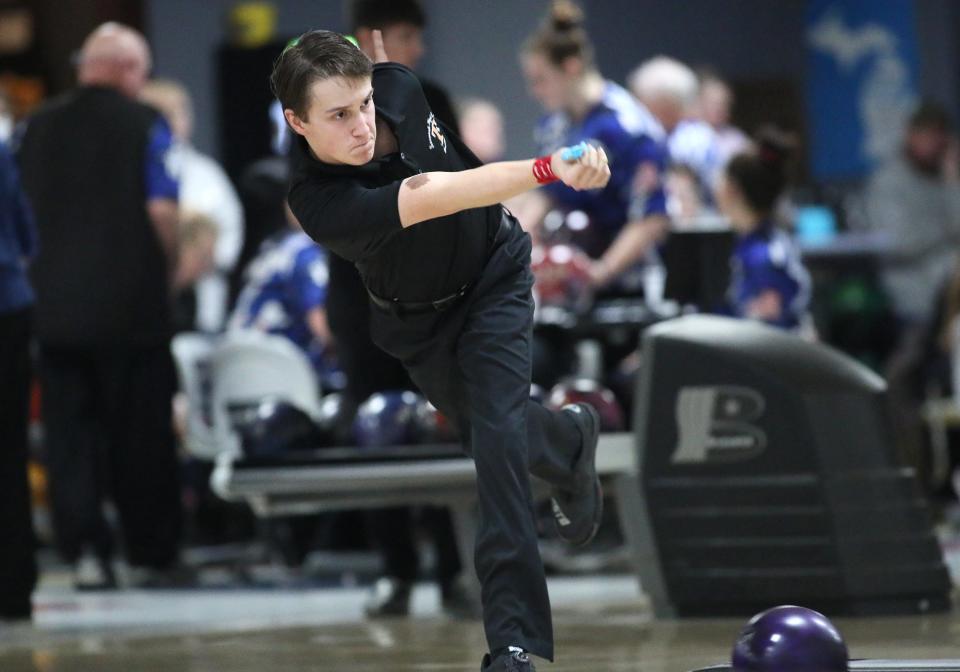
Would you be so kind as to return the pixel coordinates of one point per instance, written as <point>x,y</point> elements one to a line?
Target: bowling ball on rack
<point>576,390</point>
<point>432,426</point>
<point>272,428</point>
<point>789,639</point>
<point>561,277</point>
<point>335,418</point>
<point>575,228</point>
<point>386,419</point>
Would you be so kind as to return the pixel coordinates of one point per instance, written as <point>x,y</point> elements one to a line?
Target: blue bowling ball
<point>386,419</point>
<point>789,639</point>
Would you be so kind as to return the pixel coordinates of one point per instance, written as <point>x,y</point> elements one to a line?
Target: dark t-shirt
<point>352,210</point>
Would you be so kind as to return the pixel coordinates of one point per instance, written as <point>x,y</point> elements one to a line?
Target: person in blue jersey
<point>768,280</point>
<point>669,90</point>
<point>95,165</point>
<point>285,293</point>
<point>628,216</point>
<point>18,244</point>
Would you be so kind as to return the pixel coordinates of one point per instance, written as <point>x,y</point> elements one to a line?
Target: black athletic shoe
<point>514,661</point>
<point>577,511</point>
<point>389,597</point>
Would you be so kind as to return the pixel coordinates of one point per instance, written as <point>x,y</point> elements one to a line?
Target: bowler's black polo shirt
<point>352,210</point>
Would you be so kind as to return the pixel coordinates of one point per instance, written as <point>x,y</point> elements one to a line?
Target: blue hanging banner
<point>861,82</point>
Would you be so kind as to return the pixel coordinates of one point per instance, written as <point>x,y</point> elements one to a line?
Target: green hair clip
<point>295,41</point>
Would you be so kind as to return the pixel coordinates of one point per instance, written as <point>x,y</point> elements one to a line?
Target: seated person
<point>285,293</point>
<point>197,237</point>
<point>769,282</point>
<point>685,202</point>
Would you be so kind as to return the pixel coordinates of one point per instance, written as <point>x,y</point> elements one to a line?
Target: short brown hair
<point>930,115</point>
<point>316,55</point>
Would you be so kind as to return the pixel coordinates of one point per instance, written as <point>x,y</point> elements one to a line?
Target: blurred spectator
<point>263,192</point>
<point>481,129</point>
<point>204,188</point>
<point>196,253</point>
<point>7,119</point>
<point>669,90</point>
<point>628,217</point>
<point>714,106</point>
<point>94,164</point>
<point>286,294</point>
<point>938,363</point>
<point>914,201</point>
<point>401,24</point>
<point>685,203</point>
<point>769,282</point>
<point>18,243</point>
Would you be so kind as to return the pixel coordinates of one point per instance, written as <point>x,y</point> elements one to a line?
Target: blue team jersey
<point>767,259</point>
<point>635,146</point>
<point>161,175</point>
<point>694,144</point>
<point>18,237</point>
<point>286,280</point>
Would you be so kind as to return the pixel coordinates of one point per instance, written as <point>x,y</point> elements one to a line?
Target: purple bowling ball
<point>789,639</point>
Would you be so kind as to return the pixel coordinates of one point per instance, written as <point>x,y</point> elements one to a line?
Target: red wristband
<point>543,170</point>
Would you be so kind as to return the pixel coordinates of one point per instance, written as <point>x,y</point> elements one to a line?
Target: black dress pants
<point>473,361</point>
<point>18,567</point>
<point>107,420</point>
<point>369,370</point>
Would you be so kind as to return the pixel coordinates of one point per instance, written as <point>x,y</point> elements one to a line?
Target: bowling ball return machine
<point>769,476</point>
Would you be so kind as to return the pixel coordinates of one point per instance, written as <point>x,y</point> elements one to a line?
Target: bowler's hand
<point>379,53</point>
<point>590,171</point>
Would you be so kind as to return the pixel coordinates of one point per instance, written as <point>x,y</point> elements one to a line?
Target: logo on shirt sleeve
<point>434,133</point>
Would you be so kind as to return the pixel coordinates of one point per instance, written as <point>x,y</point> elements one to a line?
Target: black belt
<point>446,302</point>
<point>438,306</point>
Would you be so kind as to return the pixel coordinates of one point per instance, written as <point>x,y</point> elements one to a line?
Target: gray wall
<point>472,44</point>
<point>185,35</point>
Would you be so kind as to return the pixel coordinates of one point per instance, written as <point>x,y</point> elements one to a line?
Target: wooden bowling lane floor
<point>601,625</point>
